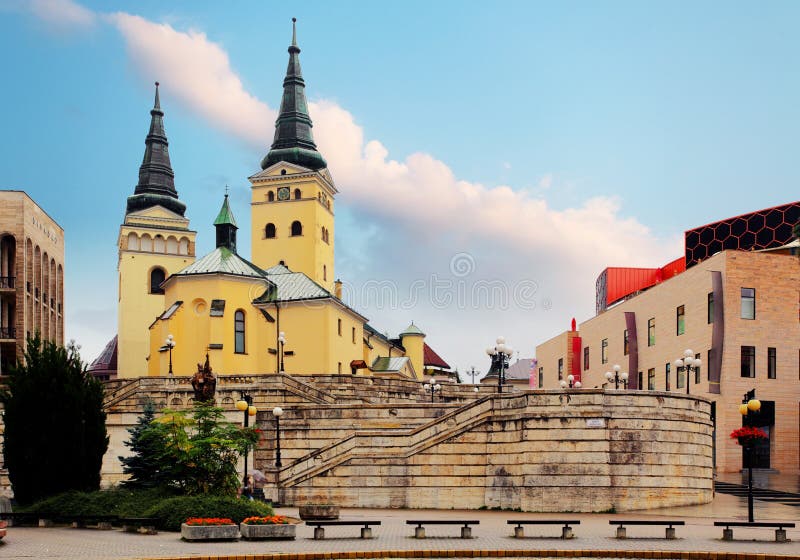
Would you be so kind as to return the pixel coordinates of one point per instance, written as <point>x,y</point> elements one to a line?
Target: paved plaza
<point>493,534</point>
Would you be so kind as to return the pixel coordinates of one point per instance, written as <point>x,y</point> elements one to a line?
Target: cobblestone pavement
<point>493,533</point>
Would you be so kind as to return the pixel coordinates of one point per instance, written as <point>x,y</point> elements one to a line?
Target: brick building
<point>738,311</point>
<point>31,275</point>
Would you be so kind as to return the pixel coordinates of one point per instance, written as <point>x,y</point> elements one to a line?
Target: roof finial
<point>157,104</point>
<point>226,191</point>
<point>294,32</point>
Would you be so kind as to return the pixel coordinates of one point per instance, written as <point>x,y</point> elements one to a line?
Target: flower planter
<point>209,532</point>
<point>271,531</point>
<point>319,512</point>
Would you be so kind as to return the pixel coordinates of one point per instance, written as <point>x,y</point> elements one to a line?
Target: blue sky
<point>537,142</point>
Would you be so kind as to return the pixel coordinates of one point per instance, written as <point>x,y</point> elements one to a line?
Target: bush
<point>118,501</point>
<point>174,511</point>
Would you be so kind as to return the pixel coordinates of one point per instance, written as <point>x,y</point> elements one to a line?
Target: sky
<point>492,158</point>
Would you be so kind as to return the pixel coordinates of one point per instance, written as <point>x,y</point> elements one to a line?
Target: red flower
<point>209,521</point>
<point>748,434</point>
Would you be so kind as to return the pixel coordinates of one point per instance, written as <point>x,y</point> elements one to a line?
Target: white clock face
<point>283,193</point>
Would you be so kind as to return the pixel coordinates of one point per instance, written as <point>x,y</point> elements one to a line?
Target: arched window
<point>133,242</point>
<point>157,277</point>
<point>147,243</point>
<point>172,245</point>
<point>159,245</point>
<point>297,228</point>
<point>271,196</point>
<point>183,246</point>
<point>297,194</point>
<point>269,231</point>
<point>238,328</point>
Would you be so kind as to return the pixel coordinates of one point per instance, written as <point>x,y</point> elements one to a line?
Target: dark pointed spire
<point>156,185</point>
<point>293,140</point>
<point>226,226</point>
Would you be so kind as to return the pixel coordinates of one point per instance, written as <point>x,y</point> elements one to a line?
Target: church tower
<point>154,242</point>
<point>293,195</point>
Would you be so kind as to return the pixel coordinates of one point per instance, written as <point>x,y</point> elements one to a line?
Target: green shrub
<point>117,501</point>
<point>172,512</point>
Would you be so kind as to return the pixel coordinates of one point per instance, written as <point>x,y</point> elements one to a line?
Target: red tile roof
<point>431,358</point>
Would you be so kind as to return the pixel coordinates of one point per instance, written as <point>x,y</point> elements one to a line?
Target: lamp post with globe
<point>616,377</point>
<point>499,353</point>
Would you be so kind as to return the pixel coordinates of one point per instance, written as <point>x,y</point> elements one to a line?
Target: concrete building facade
<point>738,311</point>
<point>31,276</point>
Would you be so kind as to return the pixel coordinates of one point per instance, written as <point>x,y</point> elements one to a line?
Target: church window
<point>340,327</point>
<point>217,308</point>
<point>269,231</point>
<point>271,196</point>
<point>354,335</point>
<point>297,228</point>
<point>238,325</point>
<point>172,245</point>
<point>133,242</point>
<point>147,243</point>
<point>157,277</point>
<point>340,368</point>
<point>297,194</point>
<point>283,172</point>
<point>183,246</point>
<point>158,244</point>
<point>325,272</point>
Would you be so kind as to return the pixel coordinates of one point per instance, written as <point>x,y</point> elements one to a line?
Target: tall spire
<point>226,226</point>
<point>293,140</point>
<point>156,185</point>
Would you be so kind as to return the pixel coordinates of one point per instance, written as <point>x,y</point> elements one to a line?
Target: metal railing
<point>7,282</point>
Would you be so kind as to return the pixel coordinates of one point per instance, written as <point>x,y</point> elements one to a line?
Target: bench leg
<point>671,532</point>
<point>780,535</point>
<point>45,523</point>
<point>566,532</point>
<point>466,532</point>
<point>319,533</point>
<point>621,532</point>
<point>727,534</point>
<point>419,532</point>
<point>104,525</point>
<point>366,532</point>
<point>519,532</point>
<point>148,530</point>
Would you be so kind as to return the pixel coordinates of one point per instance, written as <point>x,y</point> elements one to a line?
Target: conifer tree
<point>143,466</point>
<point>55,432</point>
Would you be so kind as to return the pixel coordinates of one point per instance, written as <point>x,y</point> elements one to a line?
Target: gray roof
<point>222,260</point>
<point>290,286</point>
<point>521,369</point>
<point>389,364</point>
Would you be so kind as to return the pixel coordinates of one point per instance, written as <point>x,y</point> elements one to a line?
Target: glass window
<point>271,196</point>
<point>269,231</point>
<point>238,328</point>
<point>339,327</point>
<point>680,377</point>
<point>640,380</point>
<point>680,316</point>
<point>604,351</point>
<point>560,369</point>
<point>297,228</point>
<point>541,377</point>
<point>157,276</point>
<point>217,308</point>
<point>771,363</point>
<point>748,303</point>
<point>667,367</point>
<point>585,358</point>
<point>651,379</point>
<point>354,335</point>
<point>748,361</point>
<point>297,194</point>
<point>651,331</point>
<point>625,342</point>
<point>697,370</point>
<point>710,307</point>
<point>709,361</point>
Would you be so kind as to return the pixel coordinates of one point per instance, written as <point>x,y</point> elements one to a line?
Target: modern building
<point>31,276</point>
<point>738,311</point>
<point>282,311</point>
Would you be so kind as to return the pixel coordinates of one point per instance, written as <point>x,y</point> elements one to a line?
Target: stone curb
<point>513,553</point>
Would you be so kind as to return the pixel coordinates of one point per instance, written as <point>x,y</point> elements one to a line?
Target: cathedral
<point>281,311</point>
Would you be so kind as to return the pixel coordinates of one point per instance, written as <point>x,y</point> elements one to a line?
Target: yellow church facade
<point>280,312</point>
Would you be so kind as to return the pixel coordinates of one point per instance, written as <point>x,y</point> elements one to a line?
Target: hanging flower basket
<point>747,436</point>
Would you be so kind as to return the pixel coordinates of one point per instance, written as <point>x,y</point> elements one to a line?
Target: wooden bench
<point>319,531</point>
<point>727,532</point>
<point>419,531</point>
<point>566,530</point>
<point>144,525</point>
<point>621,533</point>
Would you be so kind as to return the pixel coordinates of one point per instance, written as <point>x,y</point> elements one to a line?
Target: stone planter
<point>318,512</point>
<point>209,532</point>
<point>275,531</point>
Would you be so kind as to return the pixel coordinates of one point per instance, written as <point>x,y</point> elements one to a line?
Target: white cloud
<point>64,14</point>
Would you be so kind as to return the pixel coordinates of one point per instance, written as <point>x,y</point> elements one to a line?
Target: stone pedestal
<point>566,533</point>
<point>670,532</point>
<point>621,534</point>
<point>727,534</point>
<point>466,532</point>
<point>519,532</point>
<point>419,532</point>
<point>366,532</point>
<point>319,533</point>
<point>780,535</point>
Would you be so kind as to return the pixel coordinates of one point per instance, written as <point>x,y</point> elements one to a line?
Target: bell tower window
<point>297,194</point>
<point>238,326</point>
<point>157,277</point>
<point>271,196</point>
<point>269,231</point>
<point>297,228</point>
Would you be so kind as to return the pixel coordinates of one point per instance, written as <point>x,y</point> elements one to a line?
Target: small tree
<point>55,432</point>
<point>198,455</point>
<point>143,466</point>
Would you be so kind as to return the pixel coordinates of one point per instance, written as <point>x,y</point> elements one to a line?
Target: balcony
<point>7,333</point>
<point>7,282</point>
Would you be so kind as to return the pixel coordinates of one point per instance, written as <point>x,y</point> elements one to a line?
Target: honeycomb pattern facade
<point>763,229</point>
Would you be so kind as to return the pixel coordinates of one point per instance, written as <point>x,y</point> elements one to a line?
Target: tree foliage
<point>143,466</point>
<point>55,432</point>
<point>198,454</point>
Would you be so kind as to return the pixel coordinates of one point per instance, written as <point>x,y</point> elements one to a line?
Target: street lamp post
<point>281,342</point>
<point>690,364</point>
<point>248,410</point>
<point>570,382</point>
<point>616,376</point>
<point>170,344</point>
<point>499,354</point>
<point>277,412</point>
<point>750,404</point>
<point>472,373</point>
<point>432,387</point>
